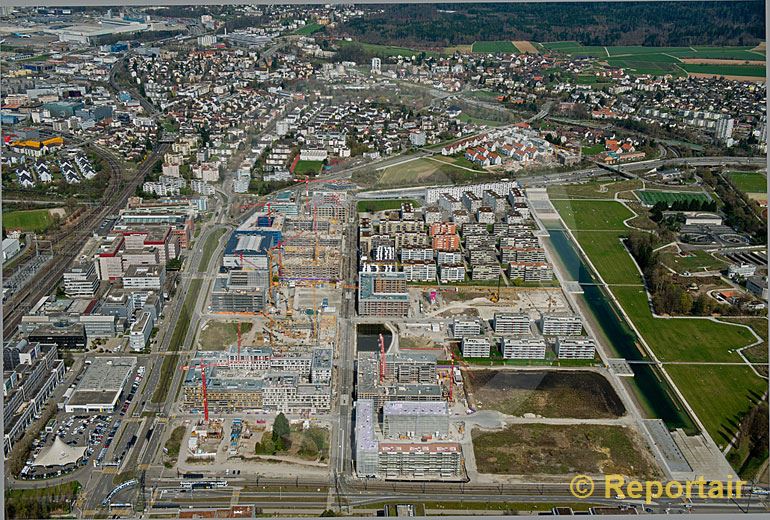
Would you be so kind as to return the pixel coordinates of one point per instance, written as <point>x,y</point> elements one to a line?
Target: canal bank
<point>648,388</point>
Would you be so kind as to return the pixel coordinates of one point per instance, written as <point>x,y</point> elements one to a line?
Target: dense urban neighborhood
<point>258,261</point>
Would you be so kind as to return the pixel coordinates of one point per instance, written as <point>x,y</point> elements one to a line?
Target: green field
<point>370,206</point>
<point>719,395</point>
<point>309,29</point>
<point>609,256</point>
<point>725,70</point>
<point>36,220</point>
<point>478,121</point>
<point>308,167</point>
<point>493,47</point>
<point>694,262</point>
<point>651,197</point>
<point>593,150</point>
<point>386,51</point>
<point>219,335</point>
<point>749,182</point>
<point>590,215</point>
<point>593,189</point>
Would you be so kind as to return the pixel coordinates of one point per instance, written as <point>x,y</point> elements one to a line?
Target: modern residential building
<point>462,327</point>
<point>523,347</point>
<point>477,347</point>
<point>517,324</point>
<point>560,324</point>
<point>382,294</point>
<point>581,347</point>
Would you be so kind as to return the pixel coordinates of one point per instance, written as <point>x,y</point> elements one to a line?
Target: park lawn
<point>695,261</point>
<point>720,395</point>
<point>493,47</point>
<point>651,197</point>
<point>588,215</point>
<point>682,339</point>
<point>749,182</point>
<point>593,150</point>
<point>36,220</point>
<point>592,189</point>
<point>725,70</point>
<point>609,257</point>
<point>382,205</point>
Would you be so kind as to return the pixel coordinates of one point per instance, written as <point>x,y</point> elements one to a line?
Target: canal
<point>651,389</point>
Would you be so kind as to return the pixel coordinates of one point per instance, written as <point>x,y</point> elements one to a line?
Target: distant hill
<point>653,23</point>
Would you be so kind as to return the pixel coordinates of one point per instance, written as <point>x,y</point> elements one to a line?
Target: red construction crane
<point>203,367</point>
<point>382,358</point>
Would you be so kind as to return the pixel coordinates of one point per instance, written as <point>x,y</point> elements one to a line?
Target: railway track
<point>67,243</point>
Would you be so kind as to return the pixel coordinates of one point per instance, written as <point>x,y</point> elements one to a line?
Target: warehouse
<point>101,386</point>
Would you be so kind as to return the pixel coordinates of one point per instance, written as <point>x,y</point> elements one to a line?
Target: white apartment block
<point>530,271</point>
<point>561,325</point>
<point>416,253</point>
<point>464,327</point>
<point>449,258</point>
<point>581,347</point>
<point>475,347</point>
<point>514,324</point>
<point>522,254</point>
<point>420,270</point>
<point>452,273</point>
<point>523,347</point>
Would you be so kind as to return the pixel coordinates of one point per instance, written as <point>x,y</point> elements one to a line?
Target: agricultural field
<point>546,449</point>
<point>386,51</point>
<point>37,220</point>
<point>526,47</point>
<point>651,197</point>
<point>478,121</point>
<point>493,47</point>
<point>579,395</point>
<point>749,182</point>
<point>219,335</point>
<point>725,70</point>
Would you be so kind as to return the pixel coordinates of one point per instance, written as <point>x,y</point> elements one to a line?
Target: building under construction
<point>402,376</point>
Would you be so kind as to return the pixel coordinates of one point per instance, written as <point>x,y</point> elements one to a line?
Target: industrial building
<point>523,347</point>
<point>575,347</point>
<point>560,324</point>
<point>101,386</point>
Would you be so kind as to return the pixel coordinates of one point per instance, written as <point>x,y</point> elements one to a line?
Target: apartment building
<point>523,347</point>
<point>462,327</point>
<point>560,324</point>
<point>410,420</point>
<point>515,324</point>
<point>420,270</point>
<point>451,273</point>
<point>581,347</point>
<point>418,461</point>
<point>382,294</point>
<point>530,271</point>
<point>475,347</point>
<point>416,253</point>
<point>488,271</point>
<point>522,254</point>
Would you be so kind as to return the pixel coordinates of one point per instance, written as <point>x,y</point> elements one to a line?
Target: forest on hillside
<point>638,23</point>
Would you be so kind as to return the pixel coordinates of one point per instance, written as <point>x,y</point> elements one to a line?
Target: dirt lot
<point>218,335</point>
<point>756,79</point>
<point>579,395</point>
<point>546,449</point>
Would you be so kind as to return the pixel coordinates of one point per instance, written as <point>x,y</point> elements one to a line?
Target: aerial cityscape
<point>384,260</point>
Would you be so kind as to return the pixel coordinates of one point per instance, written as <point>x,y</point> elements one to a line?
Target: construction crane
<point>203,367</point>
<point>494,297</point>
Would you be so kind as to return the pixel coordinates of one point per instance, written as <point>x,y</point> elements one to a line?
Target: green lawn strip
<point>720,395</point>
<point>208,249</point>
<point>749,182</point>
<point>652,196</point>
<point>177,338</point>
<point>174,442</point>
<point>382,205</point>
<point>609,257</point>
<point>27,220</point>
<point>587,215</point>
<point>682,339</point>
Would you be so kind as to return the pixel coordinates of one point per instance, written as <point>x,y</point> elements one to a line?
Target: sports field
<point>306,167</point>
<point>749,182</point>
<point>651,197</point>
<point>493,47</point>
<point>36,220</point>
